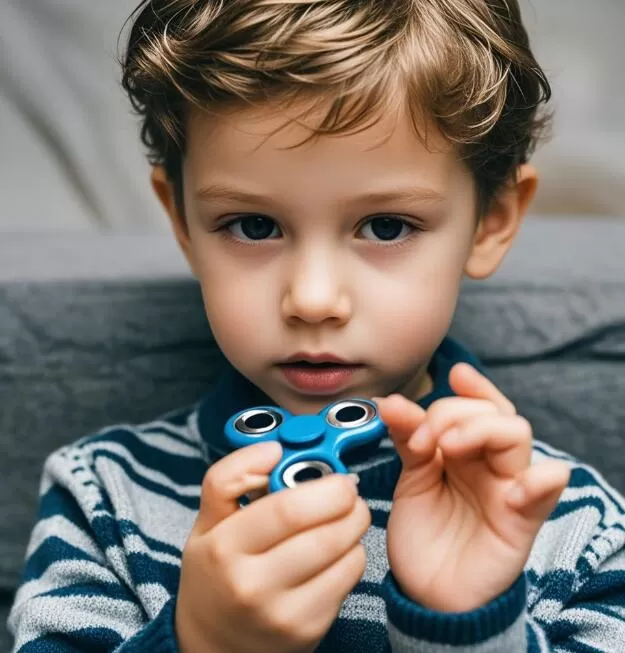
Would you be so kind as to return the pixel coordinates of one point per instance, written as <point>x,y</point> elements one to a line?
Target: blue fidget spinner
<point>312,444</point>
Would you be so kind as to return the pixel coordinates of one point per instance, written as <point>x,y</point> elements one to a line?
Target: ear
<point>499,226</point>
<point>165,192</point>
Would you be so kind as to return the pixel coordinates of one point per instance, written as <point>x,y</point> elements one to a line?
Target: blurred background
<point>70,155</point>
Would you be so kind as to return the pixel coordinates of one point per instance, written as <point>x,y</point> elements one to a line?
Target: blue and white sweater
<point>103,562</point>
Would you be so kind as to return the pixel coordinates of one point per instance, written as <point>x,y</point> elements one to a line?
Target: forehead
<point>267,144</point>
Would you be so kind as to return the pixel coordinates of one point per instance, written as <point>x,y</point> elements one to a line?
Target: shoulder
<point>175,434</point>
<point>586,487</point>
<point>584,535</point>
<point>164,457</point>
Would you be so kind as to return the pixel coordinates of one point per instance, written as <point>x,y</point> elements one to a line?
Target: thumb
<point>245,470</point>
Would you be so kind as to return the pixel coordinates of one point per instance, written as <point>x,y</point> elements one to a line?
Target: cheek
<point>237,304</point>
<point>415,302</point>
<point>415,315</point>
<point>234,323</point>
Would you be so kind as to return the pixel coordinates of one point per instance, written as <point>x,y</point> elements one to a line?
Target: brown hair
<point>464,64</point>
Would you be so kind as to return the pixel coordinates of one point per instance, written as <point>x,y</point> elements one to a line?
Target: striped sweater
<point>103,562</point>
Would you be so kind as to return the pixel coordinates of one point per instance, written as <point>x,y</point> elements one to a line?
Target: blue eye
<point>386,228</point>
<point>253,227</point>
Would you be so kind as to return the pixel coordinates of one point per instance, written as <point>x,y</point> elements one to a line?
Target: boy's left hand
<point>458,533</point>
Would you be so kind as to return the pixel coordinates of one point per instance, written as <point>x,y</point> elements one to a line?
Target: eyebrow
<point>224,192</point>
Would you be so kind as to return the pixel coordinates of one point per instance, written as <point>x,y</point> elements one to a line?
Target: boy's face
<point>347,251</point>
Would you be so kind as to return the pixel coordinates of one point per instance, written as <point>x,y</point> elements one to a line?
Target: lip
<point>302,356</point>
<point>330,379</point>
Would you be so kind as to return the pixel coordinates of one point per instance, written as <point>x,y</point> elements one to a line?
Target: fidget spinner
<point>312,444</point>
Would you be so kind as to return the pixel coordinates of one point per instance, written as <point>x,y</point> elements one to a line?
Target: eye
<point>386,228</point>
<point>253,227</point>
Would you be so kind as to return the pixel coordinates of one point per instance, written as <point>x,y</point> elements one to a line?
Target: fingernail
<point>355,478</point>
<point>516,495</point>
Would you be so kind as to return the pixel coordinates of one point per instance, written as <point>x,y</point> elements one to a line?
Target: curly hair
<point>464,66</point>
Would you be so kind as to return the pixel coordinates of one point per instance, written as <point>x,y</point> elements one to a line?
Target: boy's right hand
<point>273,575</point>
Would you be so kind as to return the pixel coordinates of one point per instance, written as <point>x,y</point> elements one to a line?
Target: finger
<point>405,422</point>
<point>446,413</point>
<point>400,415</point>
<point>307,554</point>
<point>242,471</point>
<point>537,490</point>
<point>325,593</point>
<point>277,517</point>
<point>504,441</point>
<point>466,381</point>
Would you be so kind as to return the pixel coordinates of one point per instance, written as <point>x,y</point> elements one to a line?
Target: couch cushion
<point>101,329</point>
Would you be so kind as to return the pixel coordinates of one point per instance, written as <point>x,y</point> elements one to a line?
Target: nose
<point>314,290</point>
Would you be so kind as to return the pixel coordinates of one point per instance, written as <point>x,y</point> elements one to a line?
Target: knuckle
<point>357,561</point>
<point>245,589</point>
<point>288,512</point>
<point>525,428</point>
<point>298,634</point>
<point>490,407</point>
<point>331,539</point>
<point>345,493</point>
<point>364,514</point>
<point>191,555</point>
<point>439,408</point>
<point>310,631</point>
<point>283,619</point>
<point>216,552</point>
<point>213,481</point>
<point>338,538</point>
<point>285,623</point>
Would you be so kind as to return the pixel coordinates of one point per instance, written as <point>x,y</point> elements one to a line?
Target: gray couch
<point>102,329</point>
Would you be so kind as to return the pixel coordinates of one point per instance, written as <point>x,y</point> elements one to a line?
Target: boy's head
<point>332,169</point>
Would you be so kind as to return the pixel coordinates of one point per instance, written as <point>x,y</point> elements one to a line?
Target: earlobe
<point>499,226</point>
<point>164,190</point>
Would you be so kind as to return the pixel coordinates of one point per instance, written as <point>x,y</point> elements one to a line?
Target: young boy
<point>332,170</point>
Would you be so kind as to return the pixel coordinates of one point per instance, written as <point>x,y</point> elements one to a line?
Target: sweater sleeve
<point>75,595</point>
<point>497,626</point>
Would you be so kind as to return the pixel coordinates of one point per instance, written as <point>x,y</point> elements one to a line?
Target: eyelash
<point>414,231</point>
